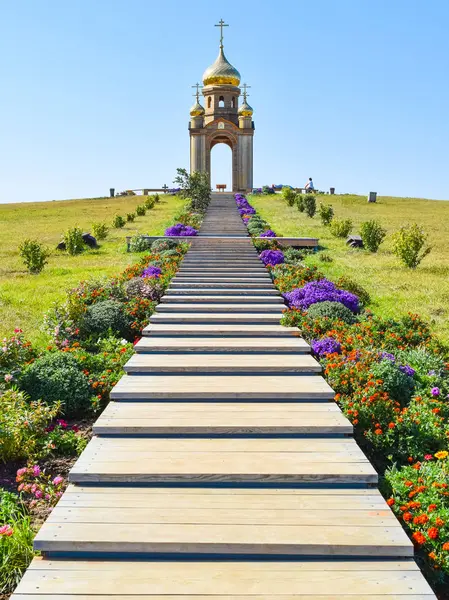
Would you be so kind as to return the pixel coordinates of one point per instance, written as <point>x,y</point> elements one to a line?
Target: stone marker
<point>372,197</point>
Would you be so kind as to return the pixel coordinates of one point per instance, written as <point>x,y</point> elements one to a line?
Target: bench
<point>221,187</point>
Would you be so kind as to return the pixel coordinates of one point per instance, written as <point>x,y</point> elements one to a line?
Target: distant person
<point>309,186</point>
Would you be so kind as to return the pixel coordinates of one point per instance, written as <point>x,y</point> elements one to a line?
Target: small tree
<point>73,239</point>
<point>34,255</point>
<point>300,204</point>
<point>372,234</point>
<point>341,227</point>
<point>326,213</point>
<point>289,195</point>
<point>409,245</point>
<point>195,186</point>
<point>310,205</point>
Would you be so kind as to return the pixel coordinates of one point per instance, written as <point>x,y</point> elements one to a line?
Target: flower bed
<point>391,379</point>
<point>93,334</point>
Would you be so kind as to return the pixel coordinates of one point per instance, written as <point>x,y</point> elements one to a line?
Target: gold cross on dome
<point>197,93</point>
<point>245,93</point>
<point>221,24</point>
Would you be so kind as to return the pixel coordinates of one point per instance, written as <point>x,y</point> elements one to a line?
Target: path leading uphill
<point>222,468</point>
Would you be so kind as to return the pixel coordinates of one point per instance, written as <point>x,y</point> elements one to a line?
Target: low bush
<point>293,256</point>
<point>310,205</point>
<point>334,311</point>
<point>15,354</point>
<point>100,230</point>
<point>300,202</point>
<point>288,277</point>
<point>16,541</point>
<point>161,245</point>
<point>156,198</point>
<point>409,245</point>
<point>105,318</point>
<point>130,217</point>
<point>346,283</point>
<point>139,243</point>
<point>118,222</point>
<point>73,239</point>
<point>34,255</point>
<point>326,213</point>
<point>149,202</point>
<point>56,377</point>
<point>142,288</point>
<point>372,234</point>
<point>340,227</point>
<point>395,382</point>
<point>325,257</point>
<point>289,196</point>
<point>141,210</point>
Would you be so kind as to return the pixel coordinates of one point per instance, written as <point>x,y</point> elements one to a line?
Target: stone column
<point>198,153</point>
<point>245,162</point>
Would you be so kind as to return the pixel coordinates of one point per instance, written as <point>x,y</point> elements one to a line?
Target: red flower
<point>390,501</point>
<point>419,538</point>
<point>433,533</point>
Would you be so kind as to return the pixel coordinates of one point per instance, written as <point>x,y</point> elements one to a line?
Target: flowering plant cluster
<point>321,291</point>
<point>272,257</point>
<point>15,353</point>
<point>39,488</point>
<point>152,271</point>
<point>180,230</point>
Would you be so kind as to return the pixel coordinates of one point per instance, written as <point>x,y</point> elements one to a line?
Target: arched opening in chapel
<point>221,166</point>
<point>221,102</point>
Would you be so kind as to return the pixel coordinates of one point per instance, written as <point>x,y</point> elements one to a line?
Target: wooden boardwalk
<point>222,468</point>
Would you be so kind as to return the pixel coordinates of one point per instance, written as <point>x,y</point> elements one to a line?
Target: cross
<point>245,93</point>
<point>197,93</point>
<point>165,188</point>
<point>221,24</point>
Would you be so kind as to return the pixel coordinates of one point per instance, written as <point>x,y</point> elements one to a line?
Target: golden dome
<point>197,110</point>
<point>221,72</point>
<point>245,110</point>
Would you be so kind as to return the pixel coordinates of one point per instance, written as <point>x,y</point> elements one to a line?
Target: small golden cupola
<point>245,109</point>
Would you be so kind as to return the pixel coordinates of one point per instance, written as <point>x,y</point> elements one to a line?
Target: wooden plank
<point>226,460</point>
<point>221,307</point>
<point>219,387</point>
<point>222,329</point>
<point>154,580</point>
<point>220,418</point>
<point>258,345</point>
<point>223,363</point>
<point>201,298</point>
<point>216,318</point>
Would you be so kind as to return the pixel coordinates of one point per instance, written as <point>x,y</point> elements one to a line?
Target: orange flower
<point>419,538</point>
<point>390,501</point>
<point>433,533</point>
<point>446,546</point>
<point>407,516</point>
<point>420,519</point>
<point>439,522</point>
<point>378,431</point>
<point>432,555</point>
<point>432,507</point>
<point>391,425</point>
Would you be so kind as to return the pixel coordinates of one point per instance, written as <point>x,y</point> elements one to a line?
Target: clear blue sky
<point>96,93</point>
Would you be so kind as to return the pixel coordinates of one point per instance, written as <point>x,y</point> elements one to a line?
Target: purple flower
<point>431,373</point>
<point>152,271</point>
<point>435,391</point>
<point>325,346</point>
<point>407,370</point>
<point>36,470</point>
<point>272,257</point>
<point>180,230</point>
<point>321,291</point>
<point>388,356</point>
<point>269,233</point>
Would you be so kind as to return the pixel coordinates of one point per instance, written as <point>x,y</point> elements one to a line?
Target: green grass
<point>394,289</point>
<point>23,297</point>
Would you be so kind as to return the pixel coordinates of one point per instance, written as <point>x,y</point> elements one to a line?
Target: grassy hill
<point>24,297</point>
<point>393,288</point>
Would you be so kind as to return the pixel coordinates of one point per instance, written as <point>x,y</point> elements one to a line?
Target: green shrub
<point>139,243</point>
<point>34,255</point>
<point>396,383</point>
<point>310,205</point>
<point>326,213</point>
<point>73,239</point>
<point>156,198</point>
<point>57,377</point>
<point>149,202</point>
<point>292,256</point>
<point>336,311</point>
<point>348,284</point>
<point>18,441</point>
<point>100,230</point>
<point>130,217</point>
<point>341,227</point>
<point>118,222</point>
<point>372,234</point>
<point>195,186</point>
<point>289,196</point>
<point>256,225</point>
<point>161,245</point>
<point>106,317</point>
<point>16,547</point>
<point>325,257</point>
<point>141,210</point>
<point>300,204</point>
<point>409,245</point>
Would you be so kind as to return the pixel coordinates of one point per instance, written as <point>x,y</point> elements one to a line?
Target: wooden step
<point>219,330</point>
<point>317,579</point>
<point>221,418</point>
<point>271,461</point>
<point>222,291</point>
<point>276,527</point>
<point>222,363</point>
<point>205,298</point>
<point>210,345</point>
<point>216,318</point>
<point>220,307</point>
<point>250,285</point>
<point>223,387</point>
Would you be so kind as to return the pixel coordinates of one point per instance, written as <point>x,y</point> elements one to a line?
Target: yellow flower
<point>442,454</point>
